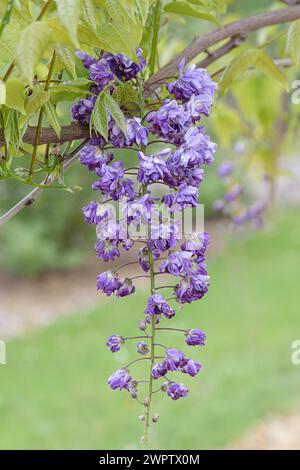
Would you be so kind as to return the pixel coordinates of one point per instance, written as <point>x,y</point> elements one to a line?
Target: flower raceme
<point>180,151</point>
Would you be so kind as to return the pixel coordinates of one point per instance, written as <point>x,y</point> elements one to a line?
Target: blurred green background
<point>53,391</point>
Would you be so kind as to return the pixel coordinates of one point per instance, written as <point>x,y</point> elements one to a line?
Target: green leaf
<point>126,95</point>
<point>293,42</point>
<point>99,117</point>
<point>182,8</point>
<point>69,12</point>
<point>251,57</point>
<point>36,101</point>
<point>2,93</point>
<point>12,130</point>
<point>67,58</point>
<point>33,42</point>
<point>52,118</point>
<point>89,14</point>
<point>15,95</point>
<point>116,112</point>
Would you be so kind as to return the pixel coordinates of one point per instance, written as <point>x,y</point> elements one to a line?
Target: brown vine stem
<point>39,126</point>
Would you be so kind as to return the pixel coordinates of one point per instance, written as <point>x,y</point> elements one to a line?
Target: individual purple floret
<point>120,379</point>
<point>86,59</point>
<point>195,337</point>
<point>186,196</point>
<point>108,282</point>
<point>142,348</point>
<point>114,343</point>
<point>136,132</point>
<point>158,371</point>
<point>191,368</point>
<point>152,168</point>
<point>163,236</point>
<point>123,67</point>
<point>94,157</point>
<point>107,250</point>
<point>174,360</point>
<point>192,81</point>
<point>100,72</point>
<point>82,110</point>
<point>171,121</point>
<point>197,243</point>
<point>112,182</point>
<point>177,263</point>
<point>127,288</point>
<point>157,305</point>
<point>176,391</point>
<point>94,213</point>
<point>192,288</point>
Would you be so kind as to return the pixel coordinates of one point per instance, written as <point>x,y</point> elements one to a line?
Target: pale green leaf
<point>182,8</point>
<point>89,13</point>
<point>293,42</point>
<point>250,58</point>
<point>2,93</point>
<point>33,42</point>
<point>116,112</point>
<point>15,95</point>
<point>126,95</point>
<point>67,58</point>
<point>69,12</point>
<point>36,101</point>
<point>99,118</point>
<point>52,118</point>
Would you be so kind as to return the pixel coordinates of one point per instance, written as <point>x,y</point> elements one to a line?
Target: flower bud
<point>143,440</point>
<point>147,401</point>
<point>155,418</point>
<point>133,394</point>
<point>142,418</point>
<point>164,388</point>
<point>142,325</point>
<point>133,384</point>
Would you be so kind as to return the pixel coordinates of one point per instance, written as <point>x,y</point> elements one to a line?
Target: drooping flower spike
<point>163,251</point>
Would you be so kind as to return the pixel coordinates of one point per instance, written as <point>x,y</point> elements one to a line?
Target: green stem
<point>153,55</point>
<point>39,125</point>
<point>152,351</point>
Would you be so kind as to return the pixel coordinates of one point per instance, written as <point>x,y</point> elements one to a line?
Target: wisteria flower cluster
<point>183,149</point>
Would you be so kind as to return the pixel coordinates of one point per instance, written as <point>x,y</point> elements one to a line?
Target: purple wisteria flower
<point>158,371</point>
<point>136,132</point>
<point>171,121</point>
<point>176,391</point>
<point>142,348</point>
<point>152,168</point>
<point>174,360</point>
<point>157,305</point>
<point>164,236</point>
<point>193,81</point>
<point>112,182</point>
<point>86,59</point>
<point>82,110</point>
<point>94,213</point>
<point>234,193</point>
<point>127,288</point>
<point>191,368</point>
<point>100,73</point>
<point>192,288</point>
<point>195,337</point>
<point>114,343</point>
<point>123,67</point>
<point>108,282</point>
<point>94,157</point>
<point>120,379</point>
<point>186,196</point>
<point>177,263</point>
